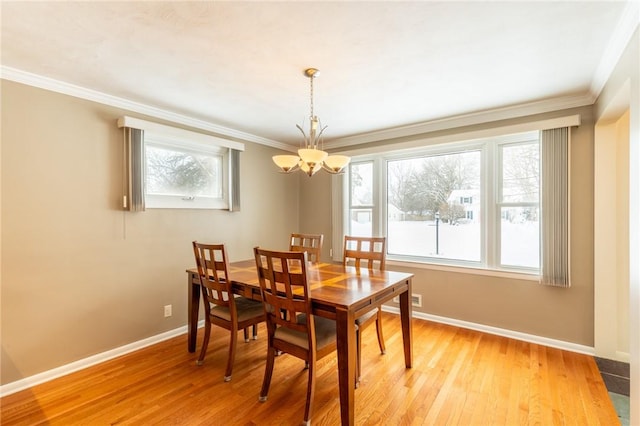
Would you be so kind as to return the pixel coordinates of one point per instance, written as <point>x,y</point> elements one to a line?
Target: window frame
<point>185,140</point>
<point>188,201</point>
<point>490,173</point>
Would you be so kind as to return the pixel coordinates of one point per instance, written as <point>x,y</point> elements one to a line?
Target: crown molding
<point>487,116</point>
<point>496,114</point>
<point>19,76</point>
<point>629,22</point>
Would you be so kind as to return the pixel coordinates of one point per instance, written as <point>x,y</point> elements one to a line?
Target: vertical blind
<point>133,170</point>
<point>555,208</point>
<point>234,186</point>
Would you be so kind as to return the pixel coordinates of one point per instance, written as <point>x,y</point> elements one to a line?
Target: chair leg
<point>383,350</point>
<point>246,335</point>
<point>268,371</point>
<point>255,331</point>
<point>358,356</point>
<point>232,354</point>
<point>205,342</point>
<point>311,390</point>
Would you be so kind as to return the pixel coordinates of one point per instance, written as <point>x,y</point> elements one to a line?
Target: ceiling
<point>238,66</point>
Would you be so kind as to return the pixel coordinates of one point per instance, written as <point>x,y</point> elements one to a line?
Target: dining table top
<point>334,283</point>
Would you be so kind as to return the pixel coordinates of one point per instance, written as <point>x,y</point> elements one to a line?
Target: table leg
<point>345,331</point>
<point>405,319</point>
<point>193,303</point>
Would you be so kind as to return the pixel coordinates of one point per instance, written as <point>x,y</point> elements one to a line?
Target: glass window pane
<point>361,182</point>
<point>433,206</point>
<point>520,236</point>
<point>174,172</point>
<point>520,173</point>
<point>361,222</point>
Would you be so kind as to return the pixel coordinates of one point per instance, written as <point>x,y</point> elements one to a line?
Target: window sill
<point>466,270</point>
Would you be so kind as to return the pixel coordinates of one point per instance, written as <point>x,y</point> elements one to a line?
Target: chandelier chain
<point>311,97</point>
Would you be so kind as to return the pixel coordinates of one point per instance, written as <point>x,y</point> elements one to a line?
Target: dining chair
<point>285,288</point>
<point>311,243</point>
<point>221,306</point>
<point>366,252</point>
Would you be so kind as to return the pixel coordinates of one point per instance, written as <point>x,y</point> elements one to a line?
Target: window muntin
<point>491,219</point>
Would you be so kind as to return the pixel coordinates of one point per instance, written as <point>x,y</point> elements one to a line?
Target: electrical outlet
<point>167,311</point>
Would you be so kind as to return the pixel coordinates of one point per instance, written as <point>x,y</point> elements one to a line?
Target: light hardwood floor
<point>460,377</point>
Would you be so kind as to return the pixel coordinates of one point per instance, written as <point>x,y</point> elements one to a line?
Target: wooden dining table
<point>341,293</point>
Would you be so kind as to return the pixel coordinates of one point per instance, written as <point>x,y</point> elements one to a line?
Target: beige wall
<point>512,304</point>
<point>315,208</point>
<point>80,276</point>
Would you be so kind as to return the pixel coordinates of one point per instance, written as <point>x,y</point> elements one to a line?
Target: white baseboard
<point>46,376</point>
<point>531,338</point>
<point>81,364</point>
<point>623,357</point>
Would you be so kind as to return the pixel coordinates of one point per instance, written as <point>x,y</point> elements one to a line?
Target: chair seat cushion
<point>366,317</point>
<point>246,309</point>
<point>325,333</point>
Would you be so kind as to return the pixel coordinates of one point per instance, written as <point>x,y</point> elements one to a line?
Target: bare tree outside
<point>452,212</point>
<point>420,186</point>
<point>521,172</point>
<point>181,173</point>
<point>362,184</point>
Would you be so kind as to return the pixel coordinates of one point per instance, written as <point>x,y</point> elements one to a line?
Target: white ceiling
<point>240,65</point>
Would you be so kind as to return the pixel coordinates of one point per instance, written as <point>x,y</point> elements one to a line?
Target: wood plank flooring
<point>460,377</point>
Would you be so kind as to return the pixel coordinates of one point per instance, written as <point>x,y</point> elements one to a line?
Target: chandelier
<point>311,157</point>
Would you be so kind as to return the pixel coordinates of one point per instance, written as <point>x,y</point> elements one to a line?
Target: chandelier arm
<point>319,137</point>
<point>306,140</point>
<point>331,171</point>
<point>291,170</point>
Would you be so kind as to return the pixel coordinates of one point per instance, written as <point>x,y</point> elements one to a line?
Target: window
<point>167,167</point>
<point>430,192</point>
<point>361,199</point>
<point>519,193</point>
<point>184,176</point>
<point>472,204</point>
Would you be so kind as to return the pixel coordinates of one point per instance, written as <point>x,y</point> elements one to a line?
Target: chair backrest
<point>371,250</point>
<point>311,243</point>
<point>212,263</point>
<point>285,288</point>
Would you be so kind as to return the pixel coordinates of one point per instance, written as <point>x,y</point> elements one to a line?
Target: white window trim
<point>185,140</point>
<point>177,134</point>
<point>489,249</point>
